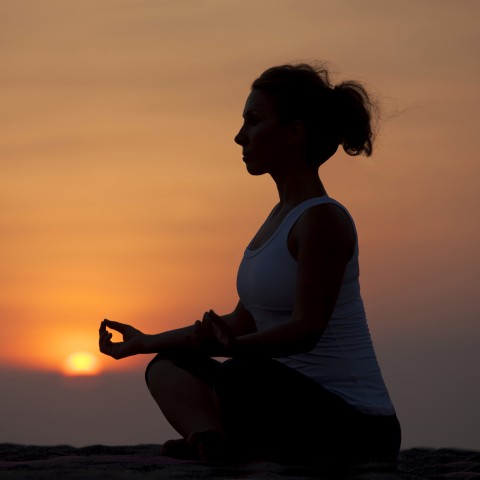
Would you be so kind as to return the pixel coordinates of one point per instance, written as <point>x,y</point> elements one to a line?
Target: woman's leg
<point>186,399</point>
<point>270,409</point>
<point>379,438</point>
<point>261,408</point>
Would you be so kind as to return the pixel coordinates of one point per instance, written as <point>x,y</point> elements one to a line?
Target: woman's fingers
<point>215,318</point>
<point>117,326</point>
<point>222,330</point>
<point>197,328</point>
<point>103,342</point>
<point>105,338</point>
<point>210,333</point>
<point>202,334</point>
<point>116,350</point>
<point>109,348</point>
<point>207,325</point>
<point>212,314</point>
<point>218,321</point>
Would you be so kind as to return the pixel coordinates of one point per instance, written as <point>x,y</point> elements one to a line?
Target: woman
<point>302,380</point>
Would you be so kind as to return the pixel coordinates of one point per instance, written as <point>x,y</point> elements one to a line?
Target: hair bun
<point>353,108</point>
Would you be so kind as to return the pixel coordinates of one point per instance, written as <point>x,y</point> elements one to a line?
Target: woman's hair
<point>333,115</point>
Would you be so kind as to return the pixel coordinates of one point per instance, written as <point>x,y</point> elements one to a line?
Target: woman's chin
<point>253,170</point>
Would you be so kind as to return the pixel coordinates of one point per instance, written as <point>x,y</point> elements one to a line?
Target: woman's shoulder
<point>324,212</point>
<point>323,218</point>
<point>327,223</point>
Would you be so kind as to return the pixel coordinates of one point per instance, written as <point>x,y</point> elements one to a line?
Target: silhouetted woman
<point>302,380</point>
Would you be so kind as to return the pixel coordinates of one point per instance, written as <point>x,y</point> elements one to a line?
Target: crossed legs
<point>188,403</point>
<point>263,408</point>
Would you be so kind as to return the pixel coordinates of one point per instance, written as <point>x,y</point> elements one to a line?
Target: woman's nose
<point>240,138</point>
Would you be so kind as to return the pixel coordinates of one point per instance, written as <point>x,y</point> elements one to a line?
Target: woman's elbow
<point>308,342</point>
<point>310,337</point>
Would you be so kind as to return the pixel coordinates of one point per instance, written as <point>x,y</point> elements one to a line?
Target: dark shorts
<point>270,408</point>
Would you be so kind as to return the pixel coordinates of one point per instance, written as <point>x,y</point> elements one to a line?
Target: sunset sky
<point>123,195</point>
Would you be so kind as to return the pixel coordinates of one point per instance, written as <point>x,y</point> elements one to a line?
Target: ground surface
<point>143,462</point>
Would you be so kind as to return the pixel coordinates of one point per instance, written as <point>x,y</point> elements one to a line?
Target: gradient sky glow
<point>123,195</point>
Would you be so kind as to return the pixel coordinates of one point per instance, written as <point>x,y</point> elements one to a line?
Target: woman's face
<point>262,137</point>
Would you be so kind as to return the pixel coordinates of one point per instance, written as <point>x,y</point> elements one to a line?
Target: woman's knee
<point>239,379</point>
<point>155,369</point>
<point>241,372</point>
<point>232,374</point>
<point>177,370</point>
<point>242,366</point>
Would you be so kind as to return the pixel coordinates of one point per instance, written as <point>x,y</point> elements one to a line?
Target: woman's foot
<point>179,448</point>
<point>211,446</point>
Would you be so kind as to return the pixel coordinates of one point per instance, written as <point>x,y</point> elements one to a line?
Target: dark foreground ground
<point>143,462</point>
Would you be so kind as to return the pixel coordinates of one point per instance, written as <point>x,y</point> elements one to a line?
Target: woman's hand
<point>132,340</point>
<point>213,335</point>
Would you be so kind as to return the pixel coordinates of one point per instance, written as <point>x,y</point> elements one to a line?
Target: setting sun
<point>81,363</point>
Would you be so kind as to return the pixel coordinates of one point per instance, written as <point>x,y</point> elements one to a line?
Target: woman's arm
<point>322,241</point>
<point>168,343</point>
<point>239,322</point>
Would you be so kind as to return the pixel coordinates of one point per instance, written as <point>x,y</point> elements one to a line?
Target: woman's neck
<point>298,185</point>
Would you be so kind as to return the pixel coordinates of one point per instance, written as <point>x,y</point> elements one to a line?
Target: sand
<point>144,462</point>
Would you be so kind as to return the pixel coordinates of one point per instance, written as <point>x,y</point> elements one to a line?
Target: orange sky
<point>123,195</point>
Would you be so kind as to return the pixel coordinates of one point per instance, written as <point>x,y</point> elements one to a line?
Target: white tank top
<point>343,361</point>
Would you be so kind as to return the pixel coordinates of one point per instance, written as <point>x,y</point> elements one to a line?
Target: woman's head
<point>331,115</point>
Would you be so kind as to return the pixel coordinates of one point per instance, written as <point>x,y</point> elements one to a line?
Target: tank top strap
<point>301,208</point>
<point>293,216</point>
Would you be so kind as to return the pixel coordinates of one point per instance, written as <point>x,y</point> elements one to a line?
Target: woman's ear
<point>296,133</point>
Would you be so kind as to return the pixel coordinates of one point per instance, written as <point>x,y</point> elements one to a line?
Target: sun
<point>81,363</point>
